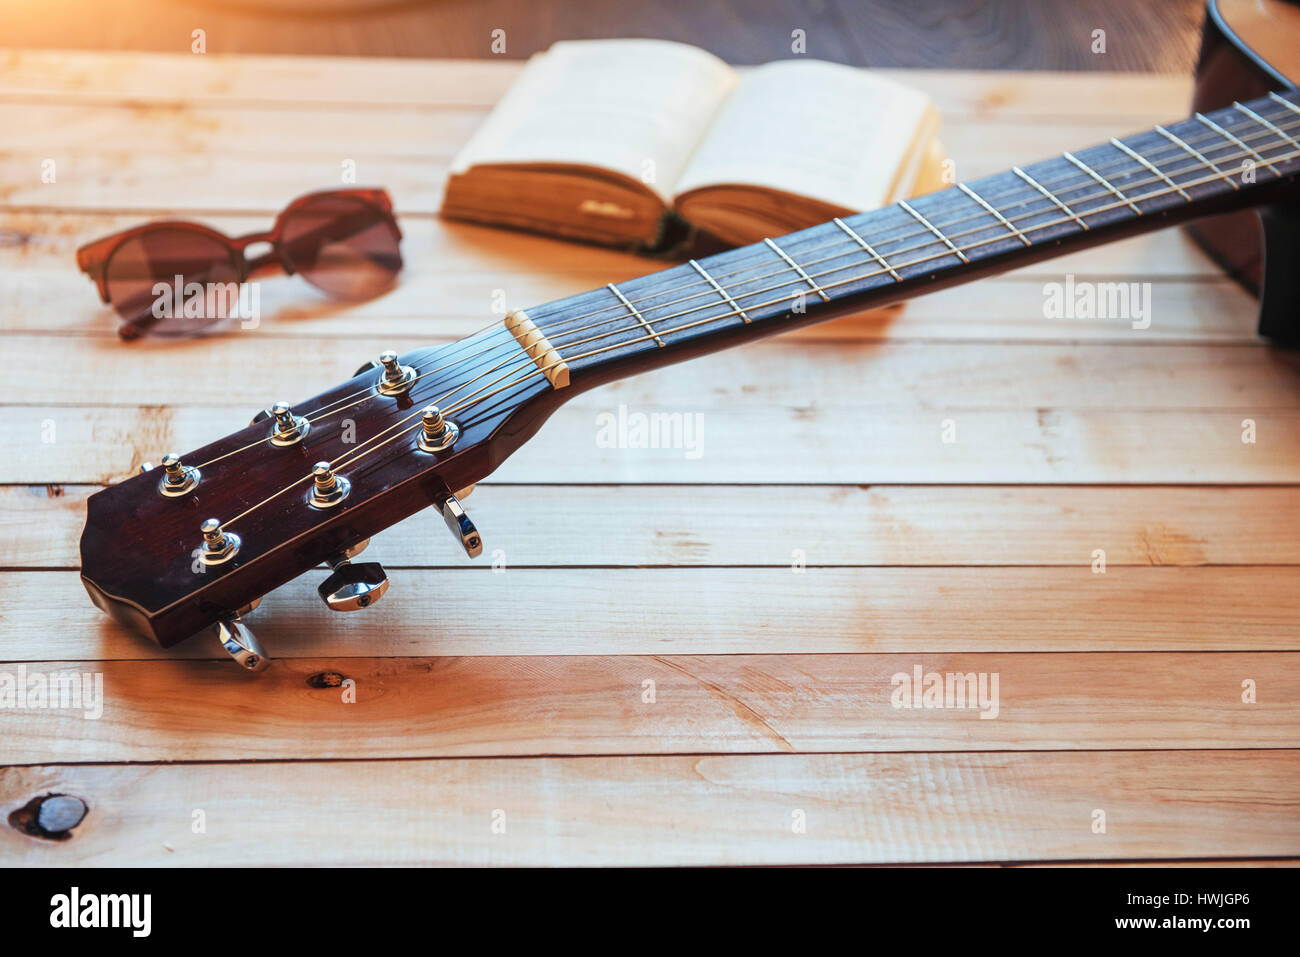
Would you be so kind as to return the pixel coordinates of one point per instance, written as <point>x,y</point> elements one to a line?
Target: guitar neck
<point>1244,155</point>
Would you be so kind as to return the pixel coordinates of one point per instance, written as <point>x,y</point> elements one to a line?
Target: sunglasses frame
<point>93,258</point>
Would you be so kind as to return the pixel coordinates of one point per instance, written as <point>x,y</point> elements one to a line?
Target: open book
<point>635,143</point>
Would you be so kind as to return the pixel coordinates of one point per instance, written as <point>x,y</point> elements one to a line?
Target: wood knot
<point>326,679</point>
<point>51,816</point>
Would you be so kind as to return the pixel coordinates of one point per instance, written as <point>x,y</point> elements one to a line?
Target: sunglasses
<point>344,242</point>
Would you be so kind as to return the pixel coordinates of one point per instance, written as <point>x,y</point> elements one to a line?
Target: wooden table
<point>649,678</point>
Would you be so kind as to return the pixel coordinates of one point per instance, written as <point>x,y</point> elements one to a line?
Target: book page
<point>637,107</point>
<point>830,132</point>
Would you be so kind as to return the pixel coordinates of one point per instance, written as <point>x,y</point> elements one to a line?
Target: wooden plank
<point>104,77</point>
<point>1023,413</point>
<point>158,129</point>
<point>76,132</point>
<point>737,809</point>
<point>850,377</point>
<point>46,615</point>
<point>842,446</point>
<point>256,81</point>
<point>40,526</point>
<point>48,240</point>
<point>628,704</point>
<point>146,178</point>
<point>70,130</point>
<point>1217,310</point>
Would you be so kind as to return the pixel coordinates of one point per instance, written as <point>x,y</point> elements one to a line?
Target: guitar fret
<point>1142,159</point>
<point>1000,218</point>
<point>1255,116</point>
<point>799,269</point>
<point>867,246</point>
<point>1224,133</point>
<point>1046,192</point>
<point>1171,168</point>
<point>1178,141</point>
<point>1285,102</point>
<point>721,292</point>
<point>632,309</point>
<point>1102,180</point>
<point>930,226</point>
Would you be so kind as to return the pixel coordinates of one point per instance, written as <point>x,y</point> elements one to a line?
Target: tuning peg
<point>396,378</point>
<point>289,429</point>
<point>436,433</point>
<point>352,587</point>
<point>328,487</point>
<point>240,643</point>
<point>178,478</point>
<point>453,513</point>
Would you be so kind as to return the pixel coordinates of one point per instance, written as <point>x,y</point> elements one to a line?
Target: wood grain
<point>346,84</point>
<point>637,704</point>
<point>981,377</point>
<point>45,615</point>
<point>676,810</point>
<point>1044,446</point>
<point>1118,691</point>
<point>178,173</point>
<point>623,525</point>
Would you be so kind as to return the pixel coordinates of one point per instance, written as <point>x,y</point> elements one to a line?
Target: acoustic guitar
<point>193,545</point>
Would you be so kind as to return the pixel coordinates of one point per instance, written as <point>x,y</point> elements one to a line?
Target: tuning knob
<point>240,643</point>
<point>454,514</point>
<point>289,429</point>
<point>436,433</point>
<point>353,587</point>
<point>396,378</point>
<point>178,478</point>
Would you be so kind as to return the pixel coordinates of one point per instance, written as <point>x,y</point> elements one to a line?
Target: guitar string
<point>1054,185</point>
<point>851,247</point>
<point>780,299</point>
<point>364,394</point>
<point>558,340</point>
<point>367,393</point>
<point>352,456</point>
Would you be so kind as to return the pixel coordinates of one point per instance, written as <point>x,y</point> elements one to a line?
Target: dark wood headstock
<point>141,549</point>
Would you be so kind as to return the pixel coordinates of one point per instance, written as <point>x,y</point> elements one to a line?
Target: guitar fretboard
<point>1227,159</point>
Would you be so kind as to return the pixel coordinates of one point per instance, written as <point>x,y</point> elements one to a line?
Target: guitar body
<point>171,555</point>
<point>1248,48</point>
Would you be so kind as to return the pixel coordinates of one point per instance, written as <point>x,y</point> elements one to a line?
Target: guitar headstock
<point>308,483</point>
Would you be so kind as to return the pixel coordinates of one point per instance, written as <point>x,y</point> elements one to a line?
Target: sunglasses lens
<point>171,282</point>
<point>342,245</point>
